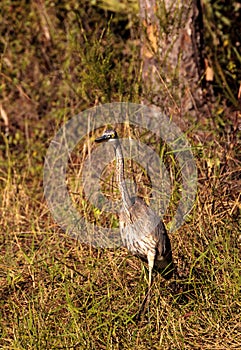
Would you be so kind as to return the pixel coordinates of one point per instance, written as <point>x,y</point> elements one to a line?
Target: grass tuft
<point>56,293</point>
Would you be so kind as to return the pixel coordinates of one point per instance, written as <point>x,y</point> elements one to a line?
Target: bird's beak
<point>102,139</point>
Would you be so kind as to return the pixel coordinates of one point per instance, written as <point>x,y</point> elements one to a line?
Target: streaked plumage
<point>144,235</point>
<point>142,231</point>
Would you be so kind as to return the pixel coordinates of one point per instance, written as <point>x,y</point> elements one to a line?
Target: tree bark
<point>173,65</point>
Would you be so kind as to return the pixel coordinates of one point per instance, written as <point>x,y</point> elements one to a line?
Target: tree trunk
<point>173,66</point>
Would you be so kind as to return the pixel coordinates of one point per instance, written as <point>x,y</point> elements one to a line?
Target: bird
<point>142,231</point>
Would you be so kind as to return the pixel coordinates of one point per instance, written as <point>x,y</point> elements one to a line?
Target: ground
<point>56,293</point>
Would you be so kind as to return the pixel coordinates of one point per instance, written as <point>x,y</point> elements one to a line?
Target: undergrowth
<point>55,293</point>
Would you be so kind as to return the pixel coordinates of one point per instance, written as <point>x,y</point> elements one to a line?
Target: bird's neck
<point>120,176</point>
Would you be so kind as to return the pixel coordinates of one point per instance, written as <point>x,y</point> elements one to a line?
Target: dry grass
<point>58,294</point>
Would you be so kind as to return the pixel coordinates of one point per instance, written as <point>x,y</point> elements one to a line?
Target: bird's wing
<point>163,261</point>
<point>138,226</point>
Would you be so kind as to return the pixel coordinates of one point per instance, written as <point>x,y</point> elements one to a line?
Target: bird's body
<point>145,236</point>
<point>142,231</point>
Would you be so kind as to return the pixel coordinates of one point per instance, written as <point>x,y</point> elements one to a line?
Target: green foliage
<point>59,58</point>
<point>223,41</point>
<point>124,6</point>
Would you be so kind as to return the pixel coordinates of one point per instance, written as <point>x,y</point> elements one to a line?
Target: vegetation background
<point>60,58</point>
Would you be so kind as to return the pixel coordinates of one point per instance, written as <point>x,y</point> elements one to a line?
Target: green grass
<point>56,293</point>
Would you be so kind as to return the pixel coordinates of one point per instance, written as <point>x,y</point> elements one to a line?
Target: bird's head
<point>109,135</point>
